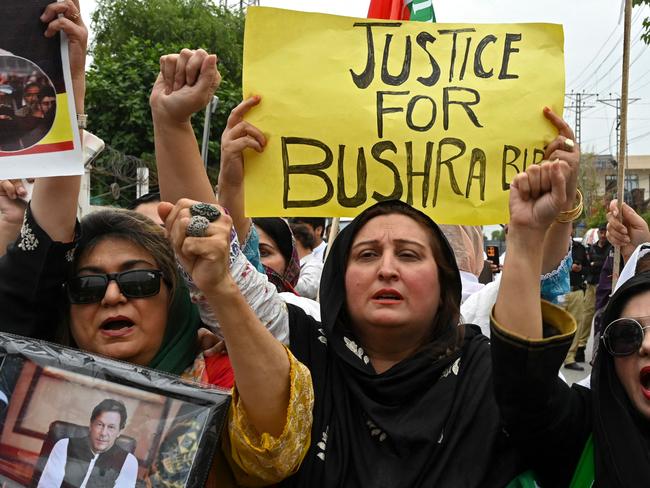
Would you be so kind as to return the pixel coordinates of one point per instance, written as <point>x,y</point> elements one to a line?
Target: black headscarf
<point>430,420</point>
<point>280,232</point>
<point>621,434</point>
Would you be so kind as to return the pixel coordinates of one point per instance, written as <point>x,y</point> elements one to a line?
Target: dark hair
<point>643,264</point>
<point>313,222</point>
<point>110,405</point>
<point>46,91</point>
<point>152,196</point>
<point>446,332</point>
<point>639,283</point>
<point>133,227</point>
<point>278,230</point>
<point>32,84</point>
<point>303,234</point>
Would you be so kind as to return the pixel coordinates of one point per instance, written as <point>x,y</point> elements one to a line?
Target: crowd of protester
<point>379,358</point>
<point>27,109</point>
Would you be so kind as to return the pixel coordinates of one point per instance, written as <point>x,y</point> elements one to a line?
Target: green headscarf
<point>179,346</point>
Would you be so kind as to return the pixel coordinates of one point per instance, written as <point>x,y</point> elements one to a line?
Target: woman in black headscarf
<point>278,253</point>
<point>571,436</point>
<point>402,390</point>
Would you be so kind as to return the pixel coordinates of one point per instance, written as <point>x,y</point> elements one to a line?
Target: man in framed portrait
<point>95,460</point>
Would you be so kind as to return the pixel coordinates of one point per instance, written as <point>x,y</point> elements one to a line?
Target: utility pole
<point>625,84</point>
<point>580,99</point>
<point>616,103</point>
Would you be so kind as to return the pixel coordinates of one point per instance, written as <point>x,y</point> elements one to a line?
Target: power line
<point>596,56</point>
<point>580,100</point>
<point>641,77</point>
<point>612,67</point>
<point>616,44</point>
<point>642,86</point>
<point>616,103</point>
<point>640,53</point>
<point>612,50</point>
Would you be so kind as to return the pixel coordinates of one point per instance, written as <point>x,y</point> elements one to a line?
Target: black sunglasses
<point>624,336</point>
<point>135,283</point>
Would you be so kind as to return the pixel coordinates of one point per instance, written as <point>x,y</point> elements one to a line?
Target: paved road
<point>575,376</point>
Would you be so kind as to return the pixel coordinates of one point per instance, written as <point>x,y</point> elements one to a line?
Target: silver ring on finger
<point>206,210</point>
<point>197,227</point>
<point>569,145</point>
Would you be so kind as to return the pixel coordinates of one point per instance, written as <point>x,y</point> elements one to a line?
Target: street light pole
<point>209,111</point>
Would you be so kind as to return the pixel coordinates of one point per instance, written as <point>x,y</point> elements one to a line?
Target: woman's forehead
<point>266,239</point>
<point>394,226</point>
<point>113,249</point>
<point>637,305</point>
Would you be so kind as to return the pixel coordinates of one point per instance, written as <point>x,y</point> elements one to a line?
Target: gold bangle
<point>570,215</point>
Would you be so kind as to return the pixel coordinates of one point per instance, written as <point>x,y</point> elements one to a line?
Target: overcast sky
<point>593,53</point>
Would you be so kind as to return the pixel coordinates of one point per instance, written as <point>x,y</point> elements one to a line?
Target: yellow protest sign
<point>356,110</point>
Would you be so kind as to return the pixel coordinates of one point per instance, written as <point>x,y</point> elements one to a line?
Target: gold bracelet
<point>573,214</point>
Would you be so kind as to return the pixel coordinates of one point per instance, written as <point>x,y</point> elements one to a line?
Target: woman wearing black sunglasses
<point>571,436</point>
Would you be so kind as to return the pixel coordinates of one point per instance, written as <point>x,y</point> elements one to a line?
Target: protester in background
<point>467,243</point>
<point>278,253</point>
<point>36,125</point>
<point>47,101</point>
<point>317,227</point>
<point>311,267</point>
<point>147,205</point>
<point>574,300</point>
<point>31,105</point>
<point>571,436</point>
<point>597,255</point>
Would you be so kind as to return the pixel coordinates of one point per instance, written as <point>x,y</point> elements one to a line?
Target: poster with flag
<point>38,129</point>
<point>420,10</point>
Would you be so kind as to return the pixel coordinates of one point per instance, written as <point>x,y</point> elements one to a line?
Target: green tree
<point>499,235</point>
<point>588,182</point>
<point>130,37</point>
<point>646,22</point>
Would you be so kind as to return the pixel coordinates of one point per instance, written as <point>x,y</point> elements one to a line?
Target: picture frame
<point>58,406</point>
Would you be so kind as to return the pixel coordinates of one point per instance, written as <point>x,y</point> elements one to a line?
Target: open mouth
<point>644,378</point>
<point>116,326</point>
<point>388,294</point>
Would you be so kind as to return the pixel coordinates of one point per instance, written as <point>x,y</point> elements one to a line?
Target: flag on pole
<point>421,10</point>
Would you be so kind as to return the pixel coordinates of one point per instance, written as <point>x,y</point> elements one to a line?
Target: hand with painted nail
<point>565,148</point>
<point>627,234</point>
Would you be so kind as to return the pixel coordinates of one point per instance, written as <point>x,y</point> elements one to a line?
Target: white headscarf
<point>630,267</point>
